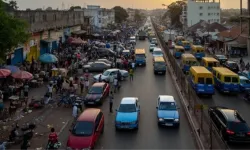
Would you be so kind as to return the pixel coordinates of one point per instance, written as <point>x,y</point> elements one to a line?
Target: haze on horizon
<point>150,4</point>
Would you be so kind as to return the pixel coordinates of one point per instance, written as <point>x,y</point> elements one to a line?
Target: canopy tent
<point>48,58</point>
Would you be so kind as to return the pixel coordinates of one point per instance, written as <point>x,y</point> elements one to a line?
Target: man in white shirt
<point>50,90</point>
<point>133,65</point>
<point>115,84</point>
<point>75,113</point>
<point>111,81</point>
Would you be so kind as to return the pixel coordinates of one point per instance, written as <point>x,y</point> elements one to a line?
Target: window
<point>95,90</point>
<point>235,80</point>
<point>32,19</point>
<point>83,128</point>
<point>245,81</point>
<point>219,76</point>
<point>214,73</point>
<point>211,65</point>
<point>221,117</point>
<point>127,108</point>
<point>106,73</point>
<point>208,14</point>
<point>98,119</point>
<point>44,17</point>
<point>100,20</point>
<point>201,7</point>
<point>208,7</point>
<point>54,17</point>
<point>209,81</point>
<point>74,16</point>
<point>227,79</point>
<point>201,14</point>
<point>201,81</point>
<point>100,13</point>
<point>167,106</point>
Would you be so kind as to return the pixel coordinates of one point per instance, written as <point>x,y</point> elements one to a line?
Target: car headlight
<point>161,119</point>
<point>98,99</point>
<point>176,120</point>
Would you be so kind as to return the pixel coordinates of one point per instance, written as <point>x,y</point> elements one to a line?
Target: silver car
<point>105,76</point>
<point>96,66</point>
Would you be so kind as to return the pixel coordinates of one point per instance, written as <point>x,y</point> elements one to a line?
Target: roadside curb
<point>184,104</point>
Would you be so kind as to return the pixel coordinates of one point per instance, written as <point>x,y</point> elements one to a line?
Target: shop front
<point>17,56</point>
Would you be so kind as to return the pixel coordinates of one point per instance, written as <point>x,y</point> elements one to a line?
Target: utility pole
<point>248,18</point>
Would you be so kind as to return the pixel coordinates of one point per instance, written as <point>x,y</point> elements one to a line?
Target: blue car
<point>244,84</point>
<point>167,111</point>
<point>127,115</point>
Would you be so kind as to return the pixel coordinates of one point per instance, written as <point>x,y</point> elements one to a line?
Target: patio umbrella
<point>22,75</point>
<point>4,73</point>
<point>13,69</point>
<point>48,58</point>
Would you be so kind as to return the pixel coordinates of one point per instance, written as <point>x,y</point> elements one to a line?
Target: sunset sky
<point>145,4</point>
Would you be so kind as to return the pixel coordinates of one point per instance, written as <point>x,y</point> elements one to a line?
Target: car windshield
<point>160,64</point>
<point>167,106</point>
<point>140,55</point>
<point>157,53</point>
<point>83,128</point>
<point>152,45</point>
<point>106,73</point>
<point>222,57</point>
<point>238,126</point>
<point>127,108</point>
<point>233,65</point>
<point>244,81</point>
<point>95,90</point>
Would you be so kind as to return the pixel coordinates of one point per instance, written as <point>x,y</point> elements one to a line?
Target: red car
<point>88,127</point>
<point>97,93</point>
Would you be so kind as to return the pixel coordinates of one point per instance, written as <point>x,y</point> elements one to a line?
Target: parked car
<point>232,66</point>
<point>246,74</point>
<point>96,66</point>
<point>97,93</point>
<point>244,84</point>
<point>221,58</point>
<point>111,72</point>
<point>231,125</point>
<point>104,60</point>
<point>151,47</point>
<point>87,130</point>
<point>105,52</point>
<point>127,115</point>
<point>167,111</point>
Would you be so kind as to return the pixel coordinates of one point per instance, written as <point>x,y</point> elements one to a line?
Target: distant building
<point>197,10</point>
<point>131,14</point>
<point>100,17</point>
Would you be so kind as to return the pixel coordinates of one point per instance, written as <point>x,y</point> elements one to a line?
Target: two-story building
<point>100,17</point>
<point>47,28</point>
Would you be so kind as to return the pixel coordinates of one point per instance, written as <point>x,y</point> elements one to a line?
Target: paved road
<point>230,101</point>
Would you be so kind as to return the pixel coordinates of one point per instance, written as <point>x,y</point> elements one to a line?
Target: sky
<point>144,4</point>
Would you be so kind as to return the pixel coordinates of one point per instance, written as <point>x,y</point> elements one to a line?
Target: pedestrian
<point>86,85</point>
<point>50,90</point>
<point>75,113</point>
<point>81,84</point>
<point>100,78</point>
<point>131,74</point>
<point>111,98</point>
<point>133,65</point>
<point>111,82</point>
<point>26,90</point>
<point>115,84</point>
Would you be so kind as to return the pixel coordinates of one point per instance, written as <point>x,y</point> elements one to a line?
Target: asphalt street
<point>230,101</point>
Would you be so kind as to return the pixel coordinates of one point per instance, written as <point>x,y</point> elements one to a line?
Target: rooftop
<point>230,114</point>
<point>200,69</point>
<point>128,100</point>
<point>166,98</point>
<point>224,71</point>
<point>89,114</point>
<point>210,59</point>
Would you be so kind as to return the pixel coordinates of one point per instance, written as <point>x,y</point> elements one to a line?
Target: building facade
<point>100,17</point>
<point>197,10</point>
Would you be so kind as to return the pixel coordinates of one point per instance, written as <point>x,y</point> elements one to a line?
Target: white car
<point>157,52</point>
<point>105,76</point>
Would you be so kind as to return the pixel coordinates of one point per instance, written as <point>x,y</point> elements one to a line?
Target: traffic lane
<point>146,86</point>
<point>230,101</point>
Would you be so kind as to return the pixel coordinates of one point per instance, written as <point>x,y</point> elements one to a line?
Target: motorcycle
<point>51,146</point>
<point>67,100</point>
<point>17,134</point>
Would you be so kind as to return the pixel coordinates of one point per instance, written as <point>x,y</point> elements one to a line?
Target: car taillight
<point>230,132</point>
<point>248,133</point>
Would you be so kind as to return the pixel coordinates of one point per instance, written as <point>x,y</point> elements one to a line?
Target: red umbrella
<point>22,75</point>
<point>4,73</point>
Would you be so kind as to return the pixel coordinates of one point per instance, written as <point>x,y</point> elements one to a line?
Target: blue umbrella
<point>13,69</point>
<point>48,58</point>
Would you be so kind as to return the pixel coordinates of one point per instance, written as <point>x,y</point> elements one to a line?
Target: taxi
<point>178,51</point>
<point>167,111</point>
<point>128,113</point>
<point>201,80</point>
<point>187,61</point>
<point>210,62</point>
<point>198,51</point>
<point>226,80</point>
<point>179,39</point>
<point>159,65</point>
<point>140,57</point>
<point>186,45</point>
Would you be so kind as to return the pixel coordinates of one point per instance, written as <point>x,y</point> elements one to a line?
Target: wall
<point>194,12</point>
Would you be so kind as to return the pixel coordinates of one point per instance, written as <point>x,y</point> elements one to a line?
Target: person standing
<point>74,113</point>
<point>81,84</point>
<point>111,98</point>
<point>115,83</point>
<point>111,82</point>
<point>50,90</point>
<point>86,85</point>
<point>131,74</point>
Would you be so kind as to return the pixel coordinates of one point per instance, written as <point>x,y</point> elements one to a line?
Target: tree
<point>175,10</point>
<point>13,33</point>
<point>120,14</point>
<point>13,4</point>
<point>75,7</point>
<point>49,8</point>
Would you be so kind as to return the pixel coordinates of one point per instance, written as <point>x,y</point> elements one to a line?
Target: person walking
<point>74,113</point>
<point>111,82</point>
<point>111,98</point>
<point>50,90</point>
<point>115,83</point>
<point>131,74</point>
<point>81,84</point>
<point>86,85</point>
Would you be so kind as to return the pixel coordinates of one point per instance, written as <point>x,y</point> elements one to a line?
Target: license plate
<point>168,124</point>
<point>159,72</point>
<point>90,102</point>
<point>241,135</point>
